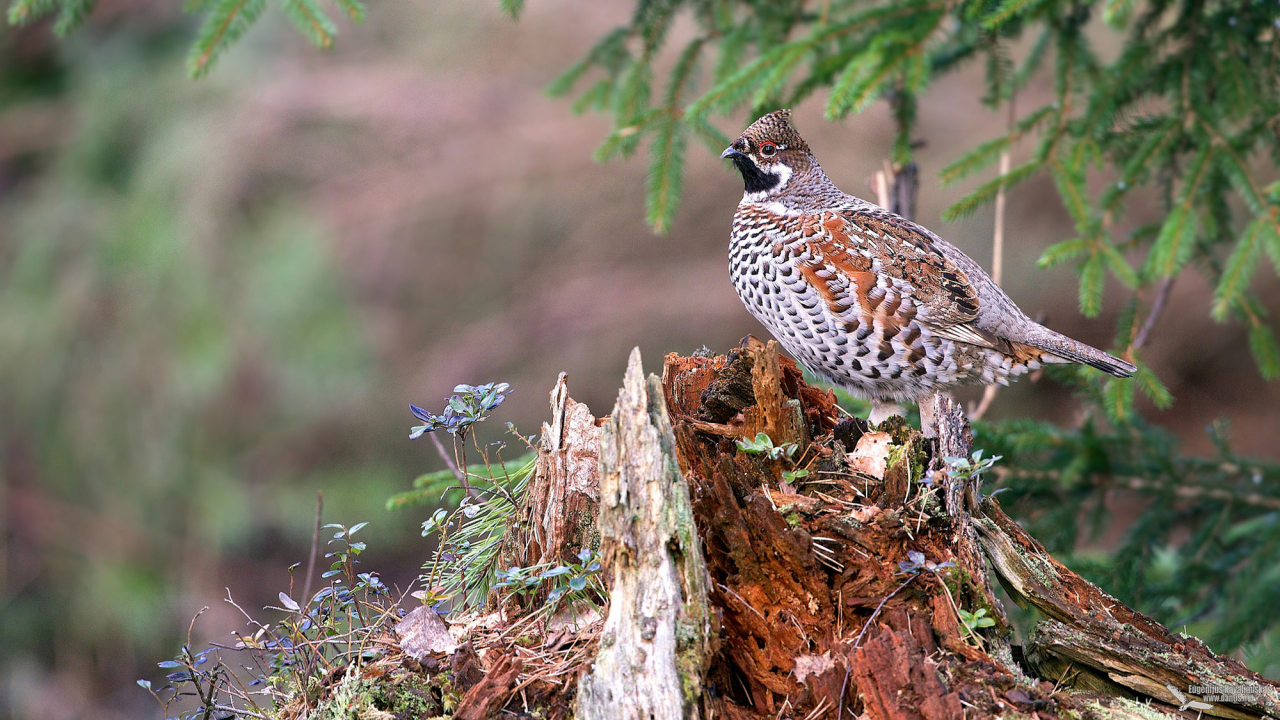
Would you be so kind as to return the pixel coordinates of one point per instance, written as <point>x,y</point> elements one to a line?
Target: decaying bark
<point>654,644</point>
<point>818,618</point>
<point>829,577</point>
<point>1102,645</point>
<point>558,516</point>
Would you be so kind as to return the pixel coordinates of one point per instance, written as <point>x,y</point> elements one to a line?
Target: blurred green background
<point>217,297</point>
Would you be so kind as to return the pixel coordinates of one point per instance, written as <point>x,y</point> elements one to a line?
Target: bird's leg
<point>882,410</point>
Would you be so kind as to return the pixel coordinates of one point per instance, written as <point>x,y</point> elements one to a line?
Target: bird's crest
<point>776,128</point>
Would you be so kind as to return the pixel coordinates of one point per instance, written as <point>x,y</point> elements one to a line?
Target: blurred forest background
<point>218,296</point>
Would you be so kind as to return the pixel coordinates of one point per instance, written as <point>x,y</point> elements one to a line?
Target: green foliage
<point>145,311</point>
<point>464,567</point>
<point>1202,553</point>
<point>961,470</point>
<point>762,444</point>
<point>282,663</point>
<point>974,621</point>
<point>1189,103</point>
<point>576,582</point>
<point>1184,112</point>
<point>225,21</point>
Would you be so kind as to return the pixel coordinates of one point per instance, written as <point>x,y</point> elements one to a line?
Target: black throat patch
<point>753,177</point>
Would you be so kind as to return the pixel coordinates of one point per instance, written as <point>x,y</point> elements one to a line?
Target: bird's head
<point>769,154</point>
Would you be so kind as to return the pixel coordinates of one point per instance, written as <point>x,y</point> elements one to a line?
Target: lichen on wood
<point>655,640</point>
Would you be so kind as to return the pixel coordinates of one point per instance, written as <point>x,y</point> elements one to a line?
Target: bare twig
<point>997,252</point>
<point>448,458</point>
<point>315,549</point>
<point>880,183</point>
<point>997,234</point>
<point>238,711</point>
<point>1157,307</point>
<point>449,462</point>
<point>989,394</point>
<point>740,599</point>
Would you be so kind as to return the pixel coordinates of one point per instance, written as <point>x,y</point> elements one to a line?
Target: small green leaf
<point>779,72</point>
<point>72,15</point>
<point>1116,13</point>
<point>1119,267</point>
<point>355,9</point>
<point>512,8</point>
<point>1059,253</point>
<point>1233,166</point>
<point>223,25</point>
<point>733,90</point>
<point>1271,239</point>
<point>1075,198</point>
<point>1117,396</point>
<point>567,79</point>
<point>850,88</point>
<point>1007,10</point>
<point>23,12</point>
<point>987,192</point>
<point>666,174</point>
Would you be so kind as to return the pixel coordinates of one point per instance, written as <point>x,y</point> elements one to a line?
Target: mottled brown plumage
<point>866,298</point>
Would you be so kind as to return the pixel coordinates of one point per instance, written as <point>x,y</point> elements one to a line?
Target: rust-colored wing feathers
<point>894,273</point>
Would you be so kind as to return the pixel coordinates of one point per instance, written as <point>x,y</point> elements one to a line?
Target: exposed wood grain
<point>656,638</point>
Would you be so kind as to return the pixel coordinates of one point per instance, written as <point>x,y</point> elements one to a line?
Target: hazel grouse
<point>868,299</point>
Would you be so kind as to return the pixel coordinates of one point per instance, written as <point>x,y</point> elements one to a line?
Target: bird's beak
<point>729,153</point>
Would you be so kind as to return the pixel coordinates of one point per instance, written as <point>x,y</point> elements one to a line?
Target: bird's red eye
<point>768,149</point>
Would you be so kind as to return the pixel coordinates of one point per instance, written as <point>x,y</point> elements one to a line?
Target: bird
<point>865,298</point>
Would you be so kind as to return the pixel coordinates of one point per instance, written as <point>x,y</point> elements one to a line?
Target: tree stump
<point>655,640</point>
<point>835,571</point>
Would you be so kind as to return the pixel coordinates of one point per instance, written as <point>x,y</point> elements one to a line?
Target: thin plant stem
<point>315,550</point>
<point>876,612</point>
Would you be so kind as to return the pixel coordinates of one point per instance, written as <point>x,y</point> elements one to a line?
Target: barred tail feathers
<point>1075,351</point>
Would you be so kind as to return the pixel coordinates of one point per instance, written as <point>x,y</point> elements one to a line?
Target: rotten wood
<point>800,572</point>
<point>657,636</point>
<point>558,516</point>
<point>486,698</point>
<point>1112,648</point>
